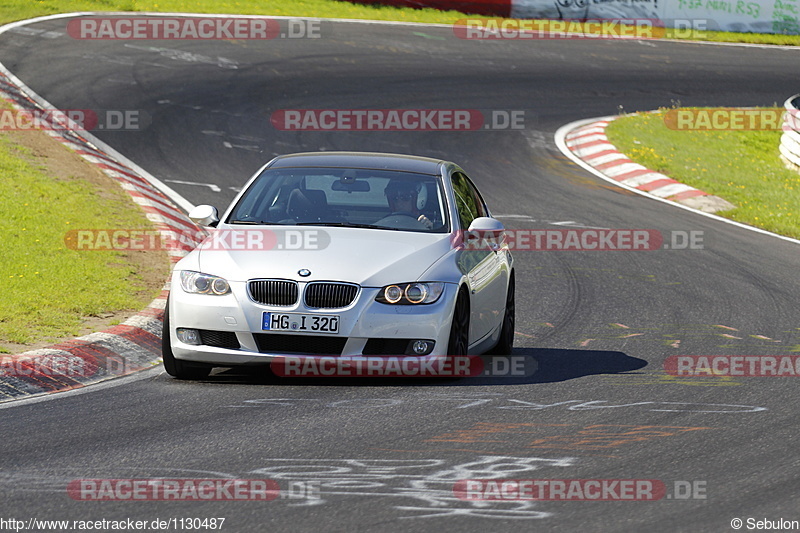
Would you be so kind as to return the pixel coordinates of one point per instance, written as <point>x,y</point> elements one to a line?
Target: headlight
<point>198,283</point>
<point>410,293</point>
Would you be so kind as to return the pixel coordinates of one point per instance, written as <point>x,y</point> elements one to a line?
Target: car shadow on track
<point>524,366</point>
<point>552,365</point>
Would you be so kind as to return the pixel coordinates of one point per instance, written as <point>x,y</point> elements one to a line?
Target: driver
<point>402,198</point>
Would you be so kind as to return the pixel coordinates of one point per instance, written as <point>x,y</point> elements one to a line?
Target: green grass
<point>742,167</point>
<point>48,288</point>
<point>11,10</point>
<point>752,38</point>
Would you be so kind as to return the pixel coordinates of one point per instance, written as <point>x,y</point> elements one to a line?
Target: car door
<point>484,268</point>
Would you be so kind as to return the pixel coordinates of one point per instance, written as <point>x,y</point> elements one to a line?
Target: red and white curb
<point>590,144</point>
<point>120,350</point>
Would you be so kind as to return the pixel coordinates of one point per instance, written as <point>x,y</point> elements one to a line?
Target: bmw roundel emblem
<point>304,272</point>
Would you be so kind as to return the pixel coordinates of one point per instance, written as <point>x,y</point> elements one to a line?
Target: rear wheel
<point>505,343</point>
<point>459,330</point>
<point>175,367</point>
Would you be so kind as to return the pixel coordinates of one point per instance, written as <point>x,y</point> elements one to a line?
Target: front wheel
<point>175,367</point>
<point>459,329</point>
<point>505,344</point>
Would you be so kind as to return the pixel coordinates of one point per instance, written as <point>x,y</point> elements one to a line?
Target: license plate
<point>300,322</point>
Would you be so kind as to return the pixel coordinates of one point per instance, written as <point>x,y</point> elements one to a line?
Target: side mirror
<point>483,233</point>
<point>205,215</point>
<point>487,225</point>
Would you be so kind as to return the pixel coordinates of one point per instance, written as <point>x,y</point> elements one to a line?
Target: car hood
<point>368,257</point>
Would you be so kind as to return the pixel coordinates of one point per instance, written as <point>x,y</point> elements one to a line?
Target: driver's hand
<point>426,221</point>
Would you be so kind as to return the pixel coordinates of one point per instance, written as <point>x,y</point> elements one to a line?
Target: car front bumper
<point>364,321</point>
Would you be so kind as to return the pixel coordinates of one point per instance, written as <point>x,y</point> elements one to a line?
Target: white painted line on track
<point>212,186</point>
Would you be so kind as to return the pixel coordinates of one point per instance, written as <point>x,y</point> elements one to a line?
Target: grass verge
<point>23,9</point>
<point>743,167</point>
<point>52,291</point>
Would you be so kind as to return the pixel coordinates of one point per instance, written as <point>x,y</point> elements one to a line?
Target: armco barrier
<point>790,140</point>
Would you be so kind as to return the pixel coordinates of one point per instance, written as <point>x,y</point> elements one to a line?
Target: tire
<point>458,343</point>
<point>175,367</point>
<point>505,344</point>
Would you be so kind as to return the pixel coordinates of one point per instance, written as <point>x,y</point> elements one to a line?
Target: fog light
<point>188,336</point>
<point>422,347</point>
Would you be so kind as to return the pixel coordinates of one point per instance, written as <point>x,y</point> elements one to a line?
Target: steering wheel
<point>400,220</point>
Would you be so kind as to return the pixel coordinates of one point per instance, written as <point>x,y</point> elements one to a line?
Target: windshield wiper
<point>254,222</point>
<point>340,224</point>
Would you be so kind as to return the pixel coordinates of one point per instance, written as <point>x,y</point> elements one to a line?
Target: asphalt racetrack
<point>360,455</point>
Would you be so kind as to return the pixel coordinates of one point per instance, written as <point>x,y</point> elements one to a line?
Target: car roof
<point>363,160</point>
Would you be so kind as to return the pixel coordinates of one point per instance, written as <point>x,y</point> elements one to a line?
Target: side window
<point>469,203</point>
<point>465,200</point>
<point>480,205</point>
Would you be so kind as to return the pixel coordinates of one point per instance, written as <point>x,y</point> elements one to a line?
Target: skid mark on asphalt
<point>662,378</point>
<point>36,32</point>
<point>672,335</point>
<point>595,273</point>
<point>559,166</point>
<point>188,57</point>
<point>575,438</point>
<point>677,339</point>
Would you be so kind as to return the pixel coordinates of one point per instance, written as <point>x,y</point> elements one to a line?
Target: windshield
<point>385,199</point>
